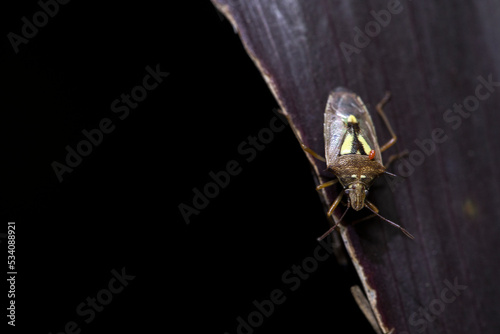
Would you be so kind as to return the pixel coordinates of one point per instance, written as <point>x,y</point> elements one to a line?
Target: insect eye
<point>366,192</point>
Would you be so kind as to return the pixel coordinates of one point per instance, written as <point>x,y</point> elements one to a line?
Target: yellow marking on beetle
<point>347,144</point>
<point>363,176</point>
<point>353,136</point>
<point>354,176</point>
<point>348,141</point>
<point>352,119</point>
<point>363,142</point>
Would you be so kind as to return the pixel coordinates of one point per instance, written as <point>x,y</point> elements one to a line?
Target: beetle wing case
<point>341,104</point>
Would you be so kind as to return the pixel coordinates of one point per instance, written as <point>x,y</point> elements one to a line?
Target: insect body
<point>352,151</point>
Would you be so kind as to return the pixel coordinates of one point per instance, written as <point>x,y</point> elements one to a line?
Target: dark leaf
<point>439,60</point>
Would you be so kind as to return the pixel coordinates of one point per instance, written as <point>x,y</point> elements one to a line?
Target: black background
<point>119,207</point>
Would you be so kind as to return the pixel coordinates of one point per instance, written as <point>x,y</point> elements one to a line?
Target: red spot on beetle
<point>371,155</point>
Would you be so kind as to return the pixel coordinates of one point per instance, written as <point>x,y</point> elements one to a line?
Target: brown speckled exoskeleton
<point>352,151</point>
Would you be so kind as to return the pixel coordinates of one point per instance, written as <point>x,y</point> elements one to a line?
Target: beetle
<point>352,151</point>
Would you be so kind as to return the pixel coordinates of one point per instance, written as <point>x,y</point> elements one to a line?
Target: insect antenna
<point>390,174</point>
<point>392,223</point>
<point>334,226</point>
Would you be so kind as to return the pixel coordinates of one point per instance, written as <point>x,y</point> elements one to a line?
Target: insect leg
<point>311,152</point>
<point>371,206</point>
<point>395,157</point>
<point>327,184</point>
<point>374,209</point>
<point>330,230</point>
<point>380,110</point>
<point>335,203</point>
